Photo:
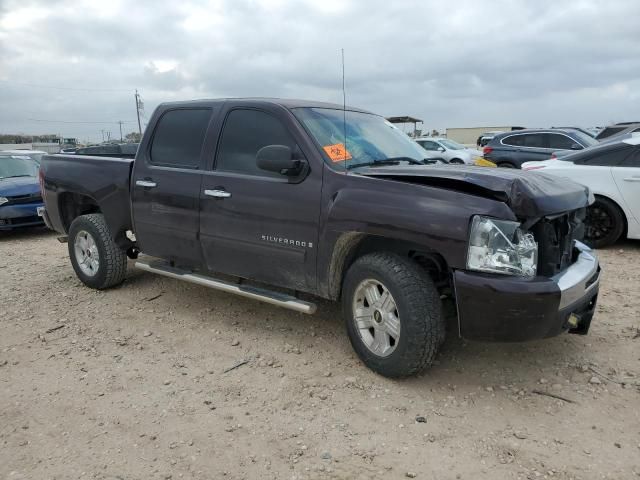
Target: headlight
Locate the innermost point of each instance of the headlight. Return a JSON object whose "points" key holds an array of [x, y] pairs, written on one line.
{"points": [[3, 200], [500, 246]]}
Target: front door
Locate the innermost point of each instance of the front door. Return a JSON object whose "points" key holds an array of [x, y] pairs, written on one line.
{"points": [[257, 224], [166, 187]]}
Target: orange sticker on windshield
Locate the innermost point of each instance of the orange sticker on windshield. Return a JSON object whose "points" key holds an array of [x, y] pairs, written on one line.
{"points": [[337, 152]]}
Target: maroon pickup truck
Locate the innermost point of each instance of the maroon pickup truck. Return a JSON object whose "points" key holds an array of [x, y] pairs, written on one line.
{"points": [[285, 197]]}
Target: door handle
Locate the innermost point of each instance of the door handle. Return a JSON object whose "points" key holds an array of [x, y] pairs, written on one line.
{"points": [[146, 184], [217, 193], [632, 179]]}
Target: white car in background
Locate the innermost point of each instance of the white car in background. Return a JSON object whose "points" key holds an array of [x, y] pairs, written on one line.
{"points": [[33, 154], [612, 173], [451, 151]]}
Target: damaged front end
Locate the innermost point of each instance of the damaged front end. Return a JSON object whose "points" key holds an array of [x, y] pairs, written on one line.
{"points": [[529, 195]]}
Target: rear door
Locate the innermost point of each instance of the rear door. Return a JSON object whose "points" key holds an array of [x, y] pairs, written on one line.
{"points": [[166, 186], [257, 224], [627, 178], [536, 147]]}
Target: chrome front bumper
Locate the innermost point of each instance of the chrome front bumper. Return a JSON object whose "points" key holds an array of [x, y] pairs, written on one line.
{"points": [[579, 279]]}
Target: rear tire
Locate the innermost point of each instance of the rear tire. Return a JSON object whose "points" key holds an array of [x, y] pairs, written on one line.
{"points": [[456, 161], [96, 258], [604, 223], [506, 165], [408, 307]]}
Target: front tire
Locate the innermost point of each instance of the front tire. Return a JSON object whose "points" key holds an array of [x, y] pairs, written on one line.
{"points": [[96, 258], [604, 223], [393, 314]]}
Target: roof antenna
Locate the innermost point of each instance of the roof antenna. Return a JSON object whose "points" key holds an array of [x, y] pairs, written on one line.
{"points": [[344, 115]]}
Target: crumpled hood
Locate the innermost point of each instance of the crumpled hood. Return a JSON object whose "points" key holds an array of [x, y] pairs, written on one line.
{"points": [[528, 194], [11, 187]]}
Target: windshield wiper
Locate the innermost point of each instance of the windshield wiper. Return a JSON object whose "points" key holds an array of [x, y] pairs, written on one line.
{"points": [[16, 176], [393, 160], [388, 161]]}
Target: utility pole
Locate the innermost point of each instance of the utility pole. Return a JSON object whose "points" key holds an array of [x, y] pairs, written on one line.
{"points": [[138, 104], [120, 123], [102, 131]]}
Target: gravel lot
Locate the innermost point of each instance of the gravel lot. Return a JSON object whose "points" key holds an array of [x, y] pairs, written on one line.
{"points": [[130, 383]]}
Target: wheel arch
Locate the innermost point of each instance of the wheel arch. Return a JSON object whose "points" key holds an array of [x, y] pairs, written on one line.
{"points": [[352, 245], [72, 205], [625, 220]]}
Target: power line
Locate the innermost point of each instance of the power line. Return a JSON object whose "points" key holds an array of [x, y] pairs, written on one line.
{"points": [[79, 89], [80, 122]]}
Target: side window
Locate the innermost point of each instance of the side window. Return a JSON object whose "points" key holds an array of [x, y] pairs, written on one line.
{"points": [[633, 160], [429, 145], [245, 132], [177, 140], [514, 140], [609, 158], [560, 142], [536, 140]]}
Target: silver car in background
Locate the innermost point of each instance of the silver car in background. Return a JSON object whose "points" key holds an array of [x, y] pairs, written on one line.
{"points": [[451, 151]]}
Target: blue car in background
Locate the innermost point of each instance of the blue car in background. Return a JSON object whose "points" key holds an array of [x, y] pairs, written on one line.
{"points": [[20, 195]]}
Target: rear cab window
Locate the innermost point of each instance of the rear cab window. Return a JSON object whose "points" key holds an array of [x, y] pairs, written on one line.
{"points": [[178, 138], [129, 149]]}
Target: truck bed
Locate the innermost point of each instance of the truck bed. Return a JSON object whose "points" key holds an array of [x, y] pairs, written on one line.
{"points": [[100, 182]]}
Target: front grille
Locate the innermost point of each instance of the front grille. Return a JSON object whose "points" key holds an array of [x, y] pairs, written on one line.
{"points": [[555, 236], [20, 199]]}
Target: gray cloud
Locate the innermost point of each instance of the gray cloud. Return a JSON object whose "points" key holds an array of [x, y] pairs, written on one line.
{"points": [[456, 63]]}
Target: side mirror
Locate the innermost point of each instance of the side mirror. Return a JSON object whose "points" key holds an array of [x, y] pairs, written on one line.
{"points": [[441, 149], [279, 159], [576, 146]]}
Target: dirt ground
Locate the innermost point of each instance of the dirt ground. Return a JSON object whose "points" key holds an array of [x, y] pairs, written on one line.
{"points": [[130, 383]]}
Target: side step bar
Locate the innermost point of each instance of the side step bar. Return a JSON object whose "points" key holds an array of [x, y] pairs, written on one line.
{"points": [[256, 293]]}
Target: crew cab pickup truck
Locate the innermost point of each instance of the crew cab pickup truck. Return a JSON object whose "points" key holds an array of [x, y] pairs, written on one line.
{"points": [[273, 198]]}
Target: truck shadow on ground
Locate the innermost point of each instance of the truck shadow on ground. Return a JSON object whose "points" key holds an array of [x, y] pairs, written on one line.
{"points": [[27, 233], [322, 337]]}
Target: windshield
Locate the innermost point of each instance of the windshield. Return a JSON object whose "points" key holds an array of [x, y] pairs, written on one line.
{"points": [[586, 140], [451, 145], [370, 138], [14, 166]]}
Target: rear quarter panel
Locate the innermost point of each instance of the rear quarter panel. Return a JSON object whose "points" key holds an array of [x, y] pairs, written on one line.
{"points": [[104, 180]]}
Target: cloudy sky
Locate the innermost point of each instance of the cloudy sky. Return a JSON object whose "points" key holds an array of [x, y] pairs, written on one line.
{"points": [[453, 63]]}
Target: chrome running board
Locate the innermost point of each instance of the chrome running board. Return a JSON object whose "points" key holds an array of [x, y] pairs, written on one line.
{"points": [[256, 293]]}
